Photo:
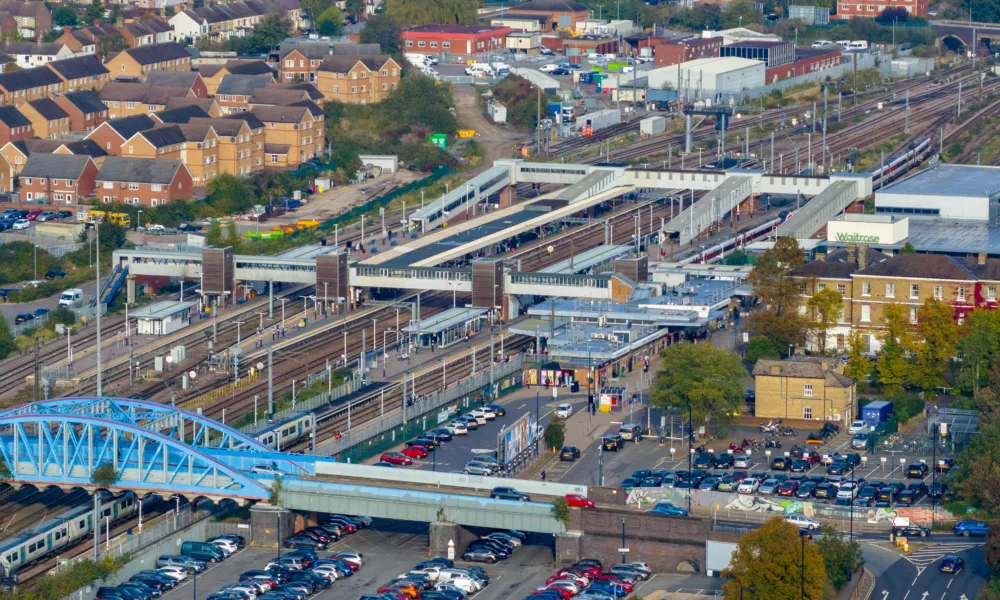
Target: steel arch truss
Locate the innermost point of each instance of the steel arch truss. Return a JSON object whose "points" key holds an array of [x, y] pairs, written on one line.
{"points": [[182, 425], [65, 449]]}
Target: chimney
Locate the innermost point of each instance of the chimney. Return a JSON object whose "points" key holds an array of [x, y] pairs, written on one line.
{"points": [[825, 364], [982, 258], [862, 256], [775, 369]]}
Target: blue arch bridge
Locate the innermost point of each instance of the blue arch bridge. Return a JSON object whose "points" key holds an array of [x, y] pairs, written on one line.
{"points": [[154, 448]]}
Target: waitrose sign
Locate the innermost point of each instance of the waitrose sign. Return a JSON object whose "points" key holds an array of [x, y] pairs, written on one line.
{"points": [[857, 238]]}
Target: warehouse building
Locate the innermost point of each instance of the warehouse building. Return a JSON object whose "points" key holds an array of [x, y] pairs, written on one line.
{"points": [[807, 60], [948, 191], [774, 54], [455, 39], [710, 78]]}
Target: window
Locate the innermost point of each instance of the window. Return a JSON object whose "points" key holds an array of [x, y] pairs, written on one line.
{"points": [[866, 288], [820, 287], [420, 44], [443, 45], [409, 43], [841, 289], [130, 150], [938, 292], [133, 186], [913, 314], [434, 44], [802, 288], [866, 313], [107, 185], [890, 290], [807, 412], [841, 340], [807, 389], [914, 290], [991, 293], [289, 63], [961, 293]]}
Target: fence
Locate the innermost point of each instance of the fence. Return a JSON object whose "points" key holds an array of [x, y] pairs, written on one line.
{"points": [[378, 435], [164, 538], [310, 403], [383, 201]]}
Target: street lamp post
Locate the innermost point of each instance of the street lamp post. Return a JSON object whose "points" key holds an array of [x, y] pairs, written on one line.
{"points": [[802, 568], [623, 541], [690, 450]]}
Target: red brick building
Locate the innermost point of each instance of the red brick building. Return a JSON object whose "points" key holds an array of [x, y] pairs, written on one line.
{"points": [[143, 181], [672, 52], [559, 14], [85, 109], [61, 178], [301, 62], [872, 8], [13, 125], [455, 39], [807, 60]]}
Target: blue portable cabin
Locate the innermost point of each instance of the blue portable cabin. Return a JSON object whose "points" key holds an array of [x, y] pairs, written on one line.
{"points": [[876, 412]]}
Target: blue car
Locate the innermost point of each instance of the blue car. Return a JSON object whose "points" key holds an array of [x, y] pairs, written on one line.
{"points": [[670, 509], [951, 564], [968, 528]]}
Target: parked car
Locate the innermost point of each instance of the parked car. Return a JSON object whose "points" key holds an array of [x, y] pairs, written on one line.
{"points": [[21, 224], [24, 318], [579, 501], [480, 555], [858, 427], [748, 486], [396, 458], [917, 470]]}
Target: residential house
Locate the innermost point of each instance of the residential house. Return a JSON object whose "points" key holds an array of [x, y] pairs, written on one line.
{"points": [[214, 74], [78, 41], [48, 119], [143, 181], [221, 21], [241, 143], [834, 271], [6, 177], [91, 33], [181, 114], [16, 153], [275, 96], [139, 62], [8, 25], [209, 105], [301, 62], [803, 387], [292, 10], [30, 54], [127, 99], [147, 31], [81, 73], [85, 109], [111, 134], [33, 18], [189, 80], [19, 87], [235, 91], [292, 134], [13, 125], [197, 145], [59, 178], [358, 79]]}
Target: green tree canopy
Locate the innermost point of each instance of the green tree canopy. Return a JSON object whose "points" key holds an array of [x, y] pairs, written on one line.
{"points": [[315, 8], [555, 433], [330, 21], [434, 12], [771, 561], [772, 281], [938, 335], [266, 35], [385, 31], [709, 379], [64, 16], [841, 558], [825, 309], [94, 12]]}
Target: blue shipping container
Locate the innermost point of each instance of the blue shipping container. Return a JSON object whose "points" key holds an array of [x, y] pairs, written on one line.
{"points": [[876, 412]]}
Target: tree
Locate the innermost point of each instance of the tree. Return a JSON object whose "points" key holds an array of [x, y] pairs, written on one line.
{"points": [[859, 366], [760, 347], [741, 8], [771, 561], [893, 13], [266, 35], [330, 21], [907, 247], [385, 31], [841, 558], [315, 8], [115, 42], [977, 346], [938, 335], [105, 475], [555, 433], [772, 281], [275, 498], [707, 379], [992, 548], [64, 16], [355, 8], [7, 345], [434, 12], [978, 472], [94, 12], [229, 194], [213, 236], [825, 309], [897, 340]]}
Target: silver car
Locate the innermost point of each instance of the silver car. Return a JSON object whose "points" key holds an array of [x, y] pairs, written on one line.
{"points": [[477, 468], [769, 487]]}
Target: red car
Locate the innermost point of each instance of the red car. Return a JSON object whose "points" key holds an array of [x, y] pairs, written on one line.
{"points": [[583, 580], [415, 451], [788, 488], [588, 570], [396, 458], [31, 216], [579, 501]]}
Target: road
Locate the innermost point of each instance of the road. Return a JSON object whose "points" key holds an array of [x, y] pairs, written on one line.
{"points": [[10, 310], [916, 576]]}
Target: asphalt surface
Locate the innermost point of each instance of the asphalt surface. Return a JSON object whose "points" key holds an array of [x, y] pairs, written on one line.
{"points": [[916, 576], [10, 310]]}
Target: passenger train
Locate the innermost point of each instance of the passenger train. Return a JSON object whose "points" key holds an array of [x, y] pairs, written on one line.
{"points": [[63, 531], [901, 162], [740, 240]]}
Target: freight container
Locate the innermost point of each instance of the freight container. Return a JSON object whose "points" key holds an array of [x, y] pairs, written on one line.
{"points": [[598, 120], [876, 412], [652, 125]]}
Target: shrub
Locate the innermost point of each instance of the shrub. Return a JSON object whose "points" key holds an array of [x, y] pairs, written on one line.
{"points": [[555, 433]]}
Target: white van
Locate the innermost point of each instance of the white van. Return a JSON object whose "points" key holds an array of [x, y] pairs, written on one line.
{"points": [[844, 44], [70, 297], [821, 43], [858, 45], [460, 580], [415, 59], [479, 70]]}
